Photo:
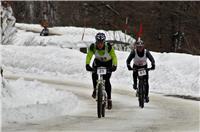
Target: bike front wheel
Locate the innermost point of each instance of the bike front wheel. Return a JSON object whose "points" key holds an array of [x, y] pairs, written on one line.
{"points": [[99, 101], [103, 109], [141, 94]]}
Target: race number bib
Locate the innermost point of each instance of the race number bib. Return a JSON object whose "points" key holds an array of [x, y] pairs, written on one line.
{"points": [[142, 73], [101, 71]]}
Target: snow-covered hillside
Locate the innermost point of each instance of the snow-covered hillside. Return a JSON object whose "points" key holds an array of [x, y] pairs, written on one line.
{"points": [[73, 37]]}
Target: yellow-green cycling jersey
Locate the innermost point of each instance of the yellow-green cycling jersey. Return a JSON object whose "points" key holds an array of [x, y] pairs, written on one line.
{"points": [[105, 54]]}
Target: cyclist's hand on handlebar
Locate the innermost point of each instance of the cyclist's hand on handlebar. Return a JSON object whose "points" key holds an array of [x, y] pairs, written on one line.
{"points": [[89, 68], [129, 67], [152, 66], [134, 69], [113, 68]]}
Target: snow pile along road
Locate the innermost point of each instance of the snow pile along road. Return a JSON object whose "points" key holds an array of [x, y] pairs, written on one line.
{"points": [[172, 75], [31, 100]]}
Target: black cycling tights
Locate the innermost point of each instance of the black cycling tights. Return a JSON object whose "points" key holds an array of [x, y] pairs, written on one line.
{"points": [[107, 83]]}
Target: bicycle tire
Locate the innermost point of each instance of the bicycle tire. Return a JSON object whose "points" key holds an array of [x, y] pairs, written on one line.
{"points": [[141, 94], [103, 109], [99, 101]]}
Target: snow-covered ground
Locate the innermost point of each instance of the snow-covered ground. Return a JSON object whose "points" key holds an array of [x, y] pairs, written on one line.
{"points": [[175, 74], [32, 100]]}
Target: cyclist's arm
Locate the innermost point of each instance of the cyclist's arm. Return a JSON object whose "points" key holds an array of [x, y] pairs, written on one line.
{"points": [[89, 54], [113, 56], [42, 32], [150, 57], [130, 57]]}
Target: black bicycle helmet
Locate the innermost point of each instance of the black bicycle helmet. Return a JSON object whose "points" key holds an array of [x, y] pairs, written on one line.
{"points": [[100, 37], [139, 42]]}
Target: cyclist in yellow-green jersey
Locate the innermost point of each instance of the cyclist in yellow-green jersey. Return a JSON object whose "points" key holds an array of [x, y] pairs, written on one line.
{"points": [[104, 56]]}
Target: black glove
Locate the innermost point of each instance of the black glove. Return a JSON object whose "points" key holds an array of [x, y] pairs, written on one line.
{"points": [[89, 68], [152, 66], [113, 68], [129, 67]]}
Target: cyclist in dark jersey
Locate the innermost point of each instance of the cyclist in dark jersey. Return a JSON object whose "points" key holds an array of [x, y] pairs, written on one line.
{"points": [[139, 56]]}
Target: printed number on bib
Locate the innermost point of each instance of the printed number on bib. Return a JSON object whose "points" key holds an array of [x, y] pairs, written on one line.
{"points": [[101, 71], [142, 73]]}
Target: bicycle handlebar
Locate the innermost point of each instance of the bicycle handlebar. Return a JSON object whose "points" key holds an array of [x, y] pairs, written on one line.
{"points": [[148, 69], [108, 70]]}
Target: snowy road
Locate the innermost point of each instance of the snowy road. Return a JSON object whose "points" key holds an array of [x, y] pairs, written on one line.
{"points": [[161, 114]]}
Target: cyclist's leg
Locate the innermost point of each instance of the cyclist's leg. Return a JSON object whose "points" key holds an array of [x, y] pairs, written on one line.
{"points": [[135, 74], [94, 80], [95, 64], [108, 87], [147, 88], [106, 77], [147, 84]]}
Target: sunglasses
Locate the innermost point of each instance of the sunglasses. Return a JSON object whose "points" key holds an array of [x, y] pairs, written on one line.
{"points": [[140, 46], [100, 42]]}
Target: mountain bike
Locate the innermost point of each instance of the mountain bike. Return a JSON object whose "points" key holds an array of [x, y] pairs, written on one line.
{"points": [[101, 92], [141, 91]]}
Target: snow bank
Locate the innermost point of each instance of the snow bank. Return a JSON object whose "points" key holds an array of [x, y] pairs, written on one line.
{"points": [[50, 61], [175, 73], [31, 100]]}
